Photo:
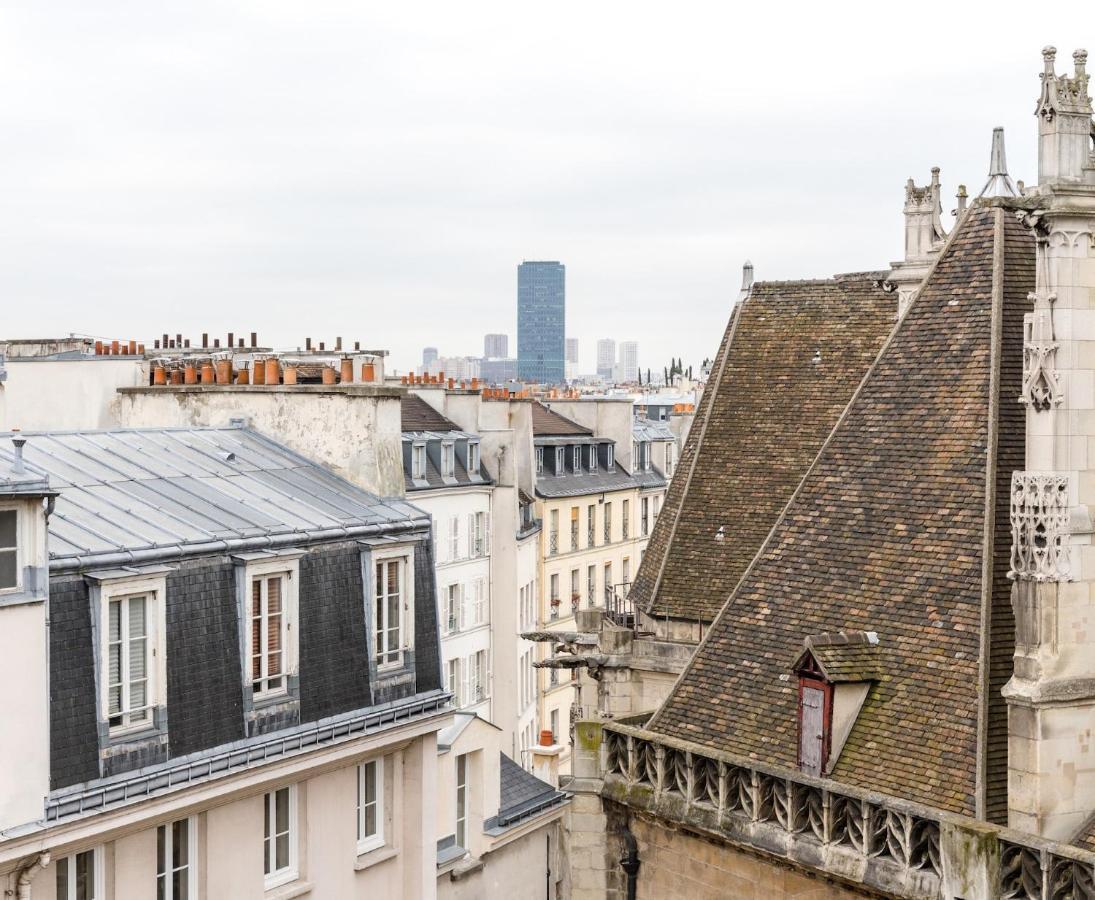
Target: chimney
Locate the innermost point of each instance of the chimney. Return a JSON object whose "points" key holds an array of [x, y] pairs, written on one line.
{"points": [[1064, 122], [962, 197], [254, 339], [545, 758], [999, 183], [17, 467]]}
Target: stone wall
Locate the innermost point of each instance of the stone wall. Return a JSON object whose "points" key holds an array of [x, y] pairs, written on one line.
{"points": [[676, 863]]}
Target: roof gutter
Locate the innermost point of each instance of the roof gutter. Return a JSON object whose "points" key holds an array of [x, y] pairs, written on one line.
{"points": [[146, 555]]}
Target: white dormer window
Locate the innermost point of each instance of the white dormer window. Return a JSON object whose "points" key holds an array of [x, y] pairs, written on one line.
{"points": [[646, 456], [670, 459], [593, 458], [611, 456], [448, 457], [473, 458], [418, 462], [9, 549], [560, 460], [576, 461], [636, 458], [393, 606], [539, 460]]}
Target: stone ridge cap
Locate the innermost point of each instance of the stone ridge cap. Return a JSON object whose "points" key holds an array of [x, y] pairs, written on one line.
{"points": [[873, 275], [842, 638]]}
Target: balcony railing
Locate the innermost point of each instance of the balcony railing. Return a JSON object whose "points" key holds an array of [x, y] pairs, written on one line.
{"points": [[591, 537], [890, 845], [574, 536], [575, 601], [553, 543], [618, 606]]}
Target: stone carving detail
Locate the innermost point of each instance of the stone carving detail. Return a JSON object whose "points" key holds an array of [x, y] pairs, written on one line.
{"points": [[1020, 872], [1041, 386], [1039, 526], [1070, 880]]}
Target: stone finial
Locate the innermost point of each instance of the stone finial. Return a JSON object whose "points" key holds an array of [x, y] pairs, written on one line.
{"points": [[746, 281], [1079, 62], [1049, 54], [999, 183], [962, 197]]}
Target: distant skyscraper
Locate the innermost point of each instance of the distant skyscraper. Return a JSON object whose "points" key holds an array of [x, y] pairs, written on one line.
{"points": [[606, 358], [498, 371], [429, 356], [572, 350], [496, 346], [629, 361], [541, 322]]}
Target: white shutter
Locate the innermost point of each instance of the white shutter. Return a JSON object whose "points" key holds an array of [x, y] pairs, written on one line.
{"points": [[471, 535], [486, 532], [462, 604]]}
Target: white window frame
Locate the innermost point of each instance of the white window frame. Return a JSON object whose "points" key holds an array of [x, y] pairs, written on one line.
{"points": [[20, 542], [452, 608], [637, 461], [482, 669], [473, 457], [560, 460], [369, 842], [288, 564], [461, 798], [448, 459], [454, 538], [576, 459], [290, 872], [154, 590], [479, 607], [670, 458], [264, 573], [452, 680], [539, 460], [191, 865], [593, 458], [405, 555], [418, 462], [98, 876], [611, 456]]}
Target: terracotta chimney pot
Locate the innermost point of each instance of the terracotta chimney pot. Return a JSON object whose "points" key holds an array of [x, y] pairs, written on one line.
{"points": [[254, 339], [346, 369], [243, 376], [546, 737], [159, 375], [328, 375], [368, 373], [176, 376], [98, 348], [273, 374], [289, 375], [452, 383], [140, 349], [114, 348], [190, 374], [224, 371], [402, 378], [208, 375], [259, 376]]}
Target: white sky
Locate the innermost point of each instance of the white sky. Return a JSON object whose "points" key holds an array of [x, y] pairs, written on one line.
{"points": [[378, 170]]}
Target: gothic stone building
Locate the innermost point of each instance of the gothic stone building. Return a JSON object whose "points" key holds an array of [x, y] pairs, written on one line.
{"points": [[895, 694]]}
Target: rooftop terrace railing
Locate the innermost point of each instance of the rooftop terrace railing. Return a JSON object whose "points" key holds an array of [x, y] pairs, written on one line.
{"points": [[898, 847]]}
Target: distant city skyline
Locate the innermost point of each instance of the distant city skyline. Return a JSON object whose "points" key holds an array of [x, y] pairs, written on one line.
{"points": [[495, 346]]}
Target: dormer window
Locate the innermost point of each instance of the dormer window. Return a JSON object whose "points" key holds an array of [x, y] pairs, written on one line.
{"points": [[576, 460], [418, 462], [539, 460], [448, 459], [636, 458], [646, 456], [670, 458], [835, 674], [9, 549], [593, 458], [611, 456], [473, 458], [560, 460]]}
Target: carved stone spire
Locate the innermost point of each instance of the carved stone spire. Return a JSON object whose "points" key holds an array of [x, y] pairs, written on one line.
{"points": [[999, 183], [1064, 122], [924, 238]]}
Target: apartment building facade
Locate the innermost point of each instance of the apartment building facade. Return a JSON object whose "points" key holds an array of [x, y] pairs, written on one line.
{"points": [[237, 690]]}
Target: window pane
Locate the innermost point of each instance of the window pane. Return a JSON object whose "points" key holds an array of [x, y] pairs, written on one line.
{"points": [[62, 878], [8, 519], [370, 782], [273, 595], [161, 851], [282, 860], [7, 569], [136, 617], [181, 885], [281, 823], [85, 875], [180, 846]]}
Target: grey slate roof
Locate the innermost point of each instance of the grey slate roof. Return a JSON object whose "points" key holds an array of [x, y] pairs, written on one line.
{"points": [[601, 481], [522, 794], [649, 430], [159, 491]]}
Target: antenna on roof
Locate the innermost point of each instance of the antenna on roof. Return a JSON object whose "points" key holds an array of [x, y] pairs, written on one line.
{"points": [[999, 183]]}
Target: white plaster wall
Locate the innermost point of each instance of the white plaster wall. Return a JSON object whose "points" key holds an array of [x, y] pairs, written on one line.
{"points": [[24, 694], [57, 395], [519, 869], [354, 430], [134, 867]]}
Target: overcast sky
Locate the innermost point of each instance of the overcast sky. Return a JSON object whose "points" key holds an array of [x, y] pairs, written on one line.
{"points": [[378, 170]]}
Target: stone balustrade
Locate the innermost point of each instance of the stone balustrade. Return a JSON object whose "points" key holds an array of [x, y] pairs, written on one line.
{"points": [[854, 836]]}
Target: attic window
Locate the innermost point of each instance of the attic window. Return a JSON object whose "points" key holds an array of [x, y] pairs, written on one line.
{"points": [[835, 675], [593, 458], [447, 460], [473, 458], [539, 460], [576, 460], [560, 460], [418, 462], [611, 457]]}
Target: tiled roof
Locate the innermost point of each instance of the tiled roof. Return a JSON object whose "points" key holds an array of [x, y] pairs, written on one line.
{"points": [[888, 532], [161, 489], [1085, 838], [545, 423], [790, 359], [847, 656], [417, 415]]}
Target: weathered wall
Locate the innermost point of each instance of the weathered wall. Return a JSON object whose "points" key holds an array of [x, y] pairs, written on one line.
{"points": [[66, 394], [523, 868], [355, 430], [677, 864]]}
